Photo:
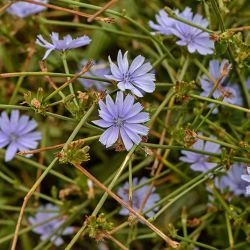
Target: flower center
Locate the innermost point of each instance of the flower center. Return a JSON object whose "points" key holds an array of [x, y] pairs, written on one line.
{"points": [[48, 228], [126, 77], [13, 137], [118, 122]]}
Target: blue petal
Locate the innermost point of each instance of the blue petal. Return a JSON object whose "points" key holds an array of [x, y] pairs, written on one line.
{"points": [[126, 140], [10, 152]]}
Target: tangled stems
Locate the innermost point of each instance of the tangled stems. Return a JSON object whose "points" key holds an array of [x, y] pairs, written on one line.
{"points": [[104, 197], [44, 174], [171, 243]]}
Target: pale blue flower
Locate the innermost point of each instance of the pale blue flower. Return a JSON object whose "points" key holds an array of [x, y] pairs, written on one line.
{"points": [[138, 197], [45, 230], [61, 44], [200, 162], [17, 133], [194, 38], [134, 77], [23, 9], [246, 177], [99, 69], [232, 180], [122, 119]]}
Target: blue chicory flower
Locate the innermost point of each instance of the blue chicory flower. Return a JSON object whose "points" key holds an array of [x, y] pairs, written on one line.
{"points": [[16, 132], [122, 119], [23, 9], [61, 44], [45, 230], [194, 38], [138, 197], [232, 180], [246, 177], [200, 162], [99, 69], [134, 77]]}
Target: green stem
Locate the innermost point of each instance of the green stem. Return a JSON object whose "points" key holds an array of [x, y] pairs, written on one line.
{"points": [[6, 106], [229, 230], [94, 27], [162, 105], [174, 16], [66, 68], [17, 74], [217, 13], [194, 242], [218, 142], [220, 102], [18, 86]]}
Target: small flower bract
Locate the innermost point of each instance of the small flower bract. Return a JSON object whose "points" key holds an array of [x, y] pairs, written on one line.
{"points": [[122, 119], [139, 197], [16, 132], [200, 162], [23, 9], [46, 213], [135, 78], [192, 37], [61, 45]]}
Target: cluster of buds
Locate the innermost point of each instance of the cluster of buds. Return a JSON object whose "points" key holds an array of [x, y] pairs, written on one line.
{"points": [[182, 90], [98, 226], [85, 100], [36, 102], [75, 153]]}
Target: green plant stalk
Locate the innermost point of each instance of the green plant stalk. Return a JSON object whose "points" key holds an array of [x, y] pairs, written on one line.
{"points": [[94, 27], [66, 68], [206, 220], [218, 128], [163, 209], [174, 168], [183, 188], [24, 189], [194, 242], [54, 74], [220, 102], [7, 106], [229, 231], [162, 105], [205, 138], [136, 168], [18, 86], [221, 200], [204, 118], [217, 12], [130, 194], [165, 63], [176, 17]]}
